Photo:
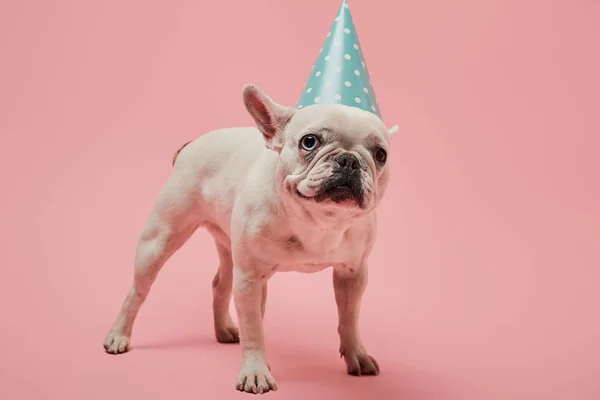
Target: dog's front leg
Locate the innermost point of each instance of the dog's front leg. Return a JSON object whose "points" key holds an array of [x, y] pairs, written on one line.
{"points": [[349, 285], [249, 294]]}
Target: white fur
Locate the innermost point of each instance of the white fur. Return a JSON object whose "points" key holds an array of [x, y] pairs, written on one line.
{"points": [[246, 195]]}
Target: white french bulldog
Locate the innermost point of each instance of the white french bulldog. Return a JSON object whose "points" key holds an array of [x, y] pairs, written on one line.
{"points": [[304, 202]]}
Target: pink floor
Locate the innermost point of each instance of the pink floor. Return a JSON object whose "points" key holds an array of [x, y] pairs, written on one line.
{"points": [[484, 281]]}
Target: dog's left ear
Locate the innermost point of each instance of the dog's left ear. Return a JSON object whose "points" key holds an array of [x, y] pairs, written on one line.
{"points": [[393, 130], [270, 117]]}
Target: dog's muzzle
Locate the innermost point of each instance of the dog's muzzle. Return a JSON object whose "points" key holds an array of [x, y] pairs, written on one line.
{"points": [[345, 183]]}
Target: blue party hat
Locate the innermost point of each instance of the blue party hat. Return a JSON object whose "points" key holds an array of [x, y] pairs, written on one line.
{"points": [[340, 76]]}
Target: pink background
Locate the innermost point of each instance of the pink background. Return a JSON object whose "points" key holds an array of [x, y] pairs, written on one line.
{"points": [[484, 281]]}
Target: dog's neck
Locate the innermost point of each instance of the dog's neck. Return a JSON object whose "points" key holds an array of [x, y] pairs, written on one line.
{"points": [[321, 228]]}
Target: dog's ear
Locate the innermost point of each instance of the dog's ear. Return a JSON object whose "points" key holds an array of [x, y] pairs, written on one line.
{"points": [[270, 117], [393, 130]]}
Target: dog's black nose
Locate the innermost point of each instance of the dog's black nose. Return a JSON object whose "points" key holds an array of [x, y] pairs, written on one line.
{"points": [[348, 160]]}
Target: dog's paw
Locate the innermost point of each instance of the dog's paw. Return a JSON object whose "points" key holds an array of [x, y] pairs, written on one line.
{"points": [[229, 334], [255, 378], [360, 363], [116, 343]]}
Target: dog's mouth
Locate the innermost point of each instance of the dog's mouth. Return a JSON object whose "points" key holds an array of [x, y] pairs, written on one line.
{"points": [[338, 190], [338, 194]]}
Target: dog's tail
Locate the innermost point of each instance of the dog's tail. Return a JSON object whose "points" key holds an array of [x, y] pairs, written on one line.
{"points": [[179, 151]]}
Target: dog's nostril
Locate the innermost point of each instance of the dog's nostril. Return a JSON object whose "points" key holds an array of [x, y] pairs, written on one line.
{"points": [[348, 160]]}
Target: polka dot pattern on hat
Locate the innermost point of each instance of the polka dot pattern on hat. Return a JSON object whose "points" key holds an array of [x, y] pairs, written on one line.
{"points": [[340, 74]]}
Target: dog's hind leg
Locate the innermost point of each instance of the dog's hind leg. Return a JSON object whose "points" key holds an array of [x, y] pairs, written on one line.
{"points": [[171, 222], [225, 329]]}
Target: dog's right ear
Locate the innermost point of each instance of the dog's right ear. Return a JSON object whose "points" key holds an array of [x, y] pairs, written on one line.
{"points": [[270, 117]]}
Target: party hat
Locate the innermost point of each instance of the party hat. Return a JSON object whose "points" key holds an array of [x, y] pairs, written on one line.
{"points": [[340, 76]]}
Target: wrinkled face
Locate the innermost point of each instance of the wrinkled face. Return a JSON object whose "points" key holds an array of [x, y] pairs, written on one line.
{"points": [[331, 156], [335, 156]]}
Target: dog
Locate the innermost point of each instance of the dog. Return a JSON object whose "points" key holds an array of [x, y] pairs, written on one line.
{"points": [[299, 192]]}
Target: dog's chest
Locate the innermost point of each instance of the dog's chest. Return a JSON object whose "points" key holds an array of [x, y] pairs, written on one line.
{"points": [[303, 268], [316, 252]]}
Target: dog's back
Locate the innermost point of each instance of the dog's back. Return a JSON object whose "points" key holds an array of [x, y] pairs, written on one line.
{"points": [[217, 145], [214, 166]]}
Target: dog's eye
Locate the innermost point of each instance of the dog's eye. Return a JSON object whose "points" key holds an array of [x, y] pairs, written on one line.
{"points": [[309, 142], [381, 155]]}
